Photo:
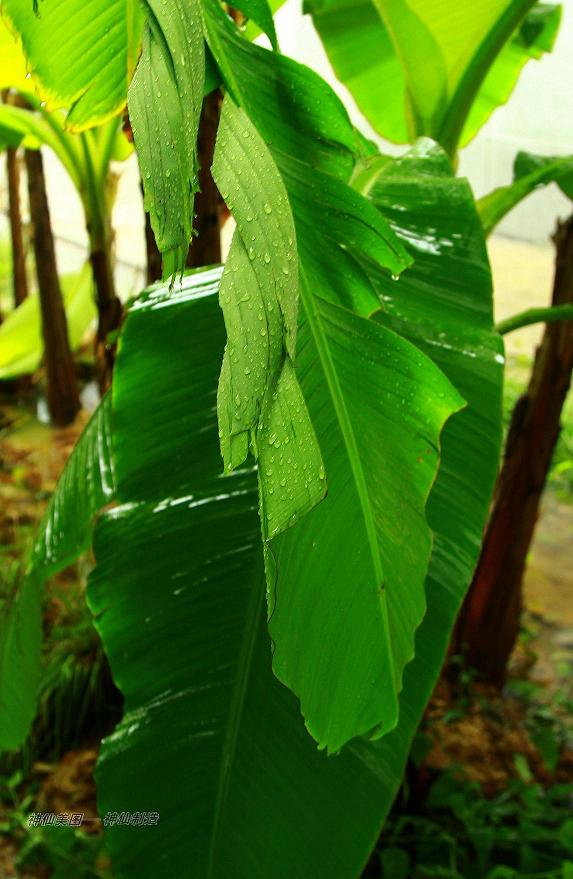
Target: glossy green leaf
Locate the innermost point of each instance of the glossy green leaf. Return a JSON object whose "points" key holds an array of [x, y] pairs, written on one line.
{"points": [[210, 740], [12, 62], [358, 563], [9, 136], [81, 53], [85, 157], [165, 100], [259, 403], [432, 68], [84, 487], [444, 305], [88, 477], [362, 55], [533, 38], [261, 14], [21, 345], [20, 643], [336, 229], [530, 172], [19, 127], [456, 46]]}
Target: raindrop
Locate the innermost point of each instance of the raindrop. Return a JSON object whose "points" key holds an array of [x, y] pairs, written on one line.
{"points": [[267, 208]]}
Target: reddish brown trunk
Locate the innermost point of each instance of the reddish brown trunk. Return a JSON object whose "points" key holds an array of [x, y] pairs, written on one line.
{"points": [[63, 399], [206, 246], [19, 276], [489, 623]]}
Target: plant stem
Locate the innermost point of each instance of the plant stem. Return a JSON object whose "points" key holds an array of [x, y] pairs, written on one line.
{"points": [[489, 622], [63, 398], [19, 275], [547, 315], [98, 223]]}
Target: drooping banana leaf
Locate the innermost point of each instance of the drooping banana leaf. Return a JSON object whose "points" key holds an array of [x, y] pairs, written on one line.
{"points": [[259, 401], [164, 107], [210, 740], [435, 68], [85, 485], [530, 172], [317, 617], [444, 305], [81, 55], [178, 580]]}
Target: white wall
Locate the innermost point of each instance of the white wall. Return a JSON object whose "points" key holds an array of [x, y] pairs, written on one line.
{"points": [[538, 118]]}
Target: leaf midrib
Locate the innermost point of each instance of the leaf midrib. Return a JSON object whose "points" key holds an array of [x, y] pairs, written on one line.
{"points": [[349, 439]]}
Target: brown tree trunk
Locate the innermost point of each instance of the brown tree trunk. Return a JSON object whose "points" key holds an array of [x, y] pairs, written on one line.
{"points": [[490, 619], [63, 398], [19, 276], [206, 246]]}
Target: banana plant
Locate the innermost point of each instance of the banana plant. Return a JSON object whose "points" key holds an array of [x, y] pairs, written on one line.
{"points": [[450, 69], [87, 158], [345, 368], [432, 68]]}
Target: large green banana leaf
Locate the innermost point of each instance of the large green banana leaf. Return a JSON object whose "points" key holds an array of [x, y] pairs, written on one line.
{"points": [[444, 305], [530, 172], [313, 145], [210, 740], [434, 68], [81, 55], [178, 597], [315, 619]]}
